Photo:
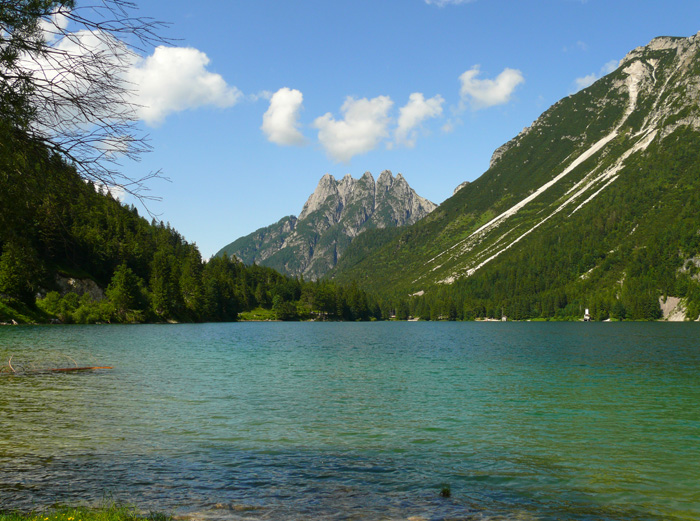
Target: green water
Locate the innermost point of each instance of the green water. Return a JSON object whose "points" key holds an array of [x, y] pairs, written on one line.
{"points": [[358, 421]]}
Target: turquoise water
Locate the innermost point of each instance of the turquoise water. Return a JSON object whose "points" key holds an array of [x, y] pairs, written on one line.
{"points": [[531, 421]]}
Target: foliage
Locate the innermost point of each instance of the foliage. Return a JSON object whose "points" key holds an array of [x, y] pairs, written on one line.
{"points": [[635, 240], [20, 271], [56, 225], [63, 81], [445, 490]]}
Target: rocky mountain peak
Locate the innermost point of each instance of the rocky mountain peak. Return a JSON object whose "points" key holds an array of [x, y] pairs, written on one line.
{"points": [[385, 180], [327, 187], [340, 209]]}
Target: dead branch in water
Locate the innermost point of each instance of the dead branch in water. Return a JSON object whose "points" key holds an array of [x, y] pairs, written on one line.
{"points": [[30, 368], [75, 369]]}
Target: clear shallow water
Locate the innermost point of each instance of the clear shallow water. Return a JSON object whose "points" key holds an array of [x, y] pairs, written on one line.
{"points": [[531, 421]]}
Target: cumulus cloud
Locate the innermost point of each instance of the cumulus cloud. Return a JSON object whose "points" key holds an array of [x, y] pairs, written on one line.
{"points": [[53, 26], [585, 81], [171, 79], [487, 93], [450, 125], [281, 121], [174, 79], [411, 115], [590, 79], [443, 3], [363, 126]]}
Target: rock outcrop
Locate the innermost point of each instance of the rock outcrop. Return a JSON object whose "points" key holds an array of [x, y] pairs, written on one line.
{"points": [[331, 218]]}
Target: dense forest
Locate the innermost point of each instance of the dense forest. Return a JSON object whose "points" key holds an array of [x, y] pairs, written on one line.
{"points": [[69, 251], [54, 227]]}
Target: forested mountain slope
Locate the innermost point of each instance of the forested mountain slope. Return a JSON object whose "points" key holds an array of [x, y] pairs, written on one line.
{"points": [[71, 253], [596, 205]]}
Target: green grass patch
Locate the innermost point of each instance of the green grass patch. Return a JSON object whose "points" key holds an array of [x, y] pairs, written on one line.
{"points": [[256, 314], [112, 512]]}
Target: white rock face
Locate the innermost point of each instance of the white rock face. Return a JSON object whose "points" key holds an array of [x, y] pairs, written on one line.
{"points": [[673, 309], [79, 286], [360, 199], [462, 185]]}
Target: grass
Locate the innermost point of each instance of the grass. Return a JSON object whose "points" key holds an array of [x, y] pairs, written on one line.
{"points": [[256, 314], [109, 512]]}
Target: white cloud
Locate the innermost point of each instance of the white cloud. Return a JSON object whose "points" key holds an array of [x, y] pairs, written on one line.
{"points": [[590, 79], [585, 81], [64, 76], [263, 94], [281, 121], [450, 125], [487, 93], [53, 26], [443, 3], [174, 79], [578, 46], [363, 126], [610, 66], [411, 115]]}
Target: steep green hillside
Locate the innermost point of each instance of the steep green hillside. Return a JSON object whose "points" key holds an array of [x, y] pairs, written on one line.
{"points": [[593, 206]]}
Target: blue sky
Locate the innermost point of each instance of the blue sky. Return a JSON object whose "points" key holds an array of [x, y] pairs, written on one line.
{"points": [[257, 99]]}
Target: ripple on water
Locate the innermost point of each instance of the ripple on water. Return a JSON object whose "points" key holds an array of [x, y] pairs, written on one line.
{"points": [[360, 421]]}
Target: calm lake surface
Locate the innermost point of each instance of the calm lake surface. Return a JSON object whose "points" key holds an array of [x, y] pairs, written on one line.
{"points": [[527, 421]]}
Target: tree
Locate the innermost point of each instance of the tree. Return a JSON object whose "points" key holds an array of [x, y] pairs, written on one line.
{"points": [[20, 271], [124, 292], [165, 291], [63, 81], [284, 310], [191, 282]]}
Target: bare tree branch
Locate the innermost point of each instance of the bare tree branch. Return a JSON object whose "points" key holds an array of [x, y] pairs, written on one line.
{"points": [[64, 80]]}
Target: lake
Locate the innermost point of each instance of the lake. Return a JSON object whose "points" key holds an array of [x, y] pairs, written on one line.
{"points": [[527, 421]]}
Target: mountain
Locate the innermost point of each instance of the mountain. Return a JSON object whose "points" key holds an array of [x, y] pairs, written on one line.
{"points": [[71, 253], [595, 205], [336, 213]]}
